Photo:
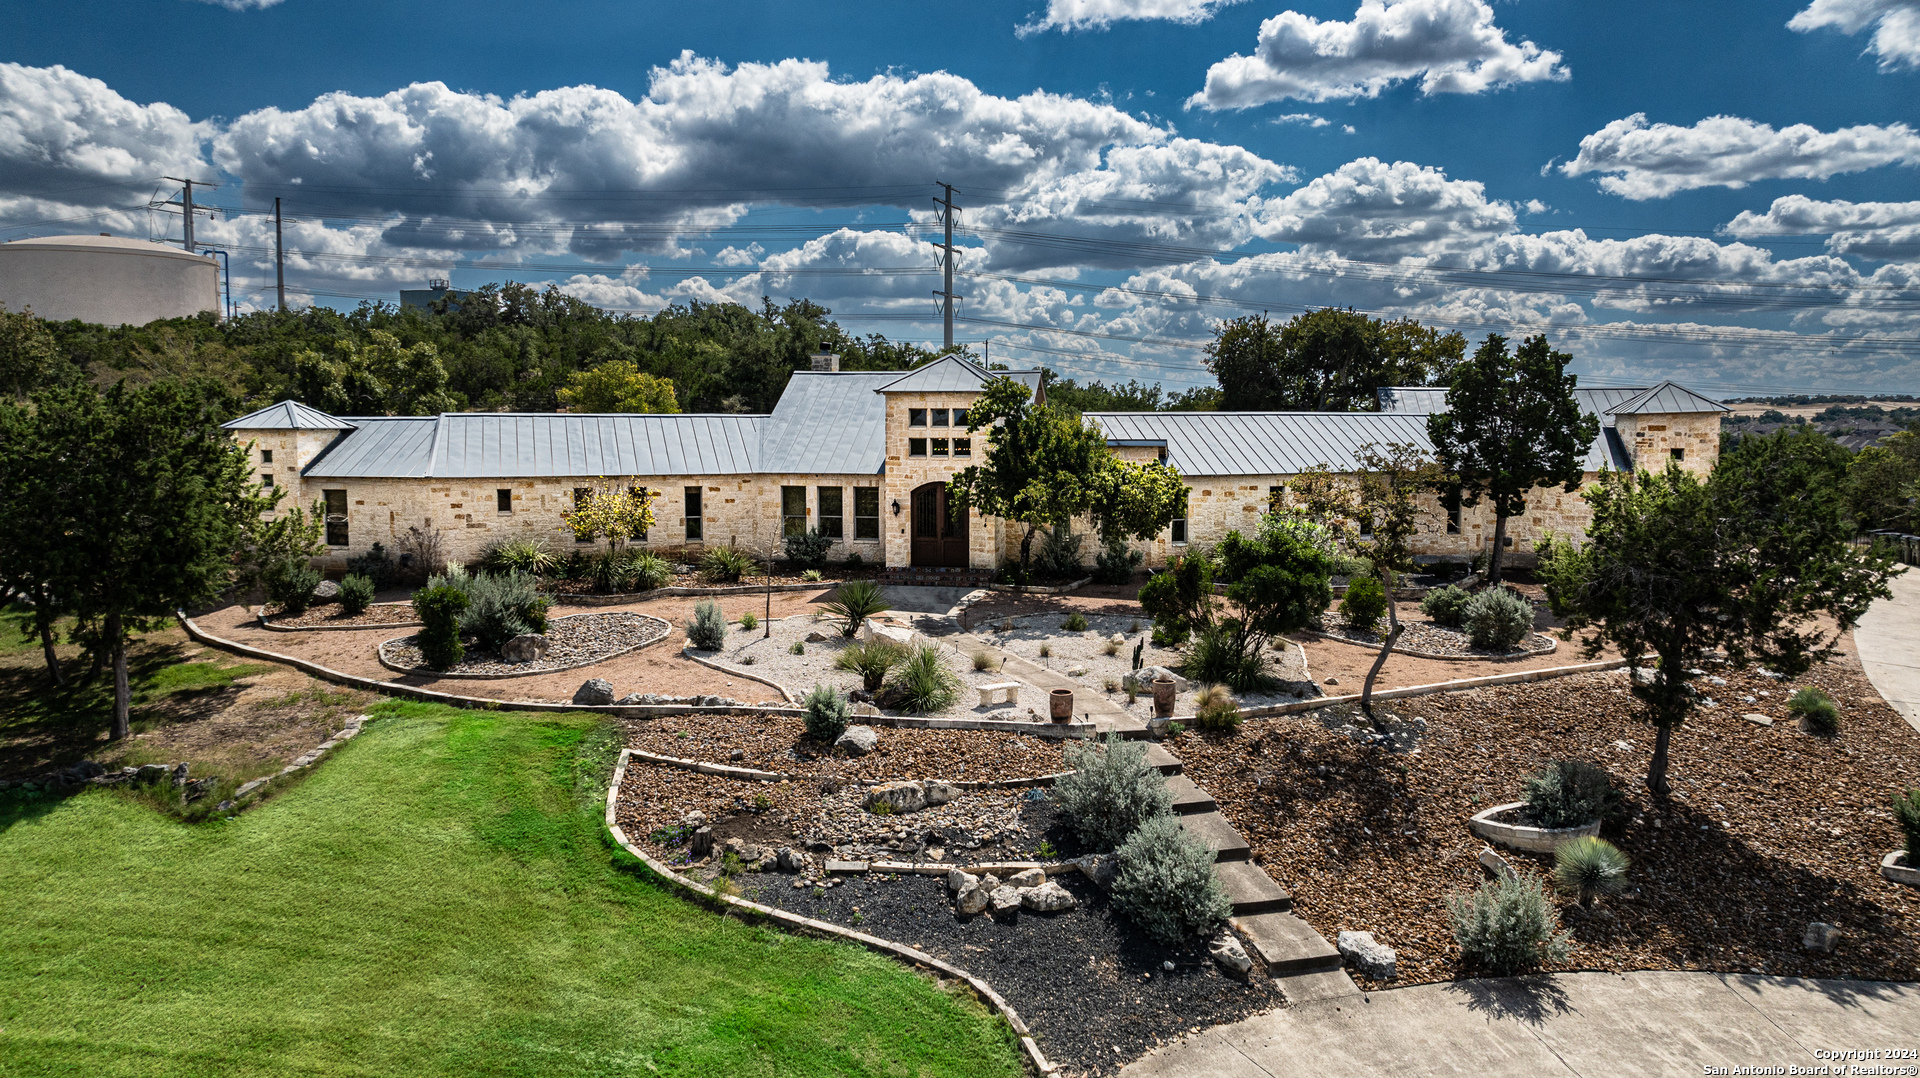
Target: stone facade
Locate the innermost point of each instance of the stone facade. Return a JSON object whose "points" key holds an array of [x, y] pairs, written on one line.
{"points": [[1692, 439], [906, 472]]}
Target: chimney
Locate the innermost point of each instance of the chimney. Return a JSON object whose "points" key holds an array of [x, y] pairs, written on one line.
{"points": [[826, 361]]}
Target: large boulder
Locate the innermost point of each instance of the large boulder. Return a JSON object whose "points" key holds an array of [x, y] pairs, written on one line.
{"points": [[1368, 955], [973, 897], [1142, 679], [858, 740], [327, 592], [594, 692], [959, 879], [1004, 900], [898, 797], [791, 860], [1047, 898], [527, 648]]}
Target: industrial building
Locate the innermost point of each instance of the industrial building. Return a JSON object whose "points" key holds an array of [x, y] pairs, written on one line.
{"points": [[110, 280]]}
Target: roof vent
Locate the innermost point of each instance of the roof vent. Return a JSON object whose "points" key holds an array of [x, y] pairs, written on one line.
{"points": [[107, 234], [826, 361]]}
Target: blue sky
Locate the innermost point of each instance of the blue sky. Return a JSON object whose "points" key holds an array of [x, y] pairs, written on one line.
{"points": [[1724, 193]]}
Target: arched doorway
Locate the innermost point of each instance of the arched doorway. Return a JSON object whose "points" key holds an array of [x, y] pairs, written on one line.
{"points": [[939, 528]]}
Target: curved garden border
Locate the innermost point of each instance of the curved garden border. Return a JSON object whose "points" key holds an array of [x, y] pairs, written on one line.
{"points": [[271, 627], [1552, 646], [425, 671], [579, 599], [808, 925], [731, 771]]}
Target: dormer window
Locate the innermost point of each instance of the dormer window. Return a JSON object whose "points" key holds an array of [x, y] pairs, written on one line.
{"points": [[916, 417]]}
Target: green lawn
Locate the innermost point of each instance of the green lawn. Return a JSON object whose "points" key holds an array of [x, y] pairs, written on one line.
{"points": [[437, 899]]}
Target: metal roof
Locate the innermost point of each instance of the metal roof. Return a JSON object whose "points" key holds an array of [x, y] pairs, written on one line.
{"points": [[829, 423], [1263, 443], [1430, 400], [954, 374], [287, 415], [1668, 399], [381, 447], [473, 445]]}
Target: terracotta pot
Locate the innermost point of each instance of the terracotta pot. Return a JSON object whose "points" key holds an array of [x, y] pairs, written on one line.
{"points": [[1163, 698], [1061, 700]]}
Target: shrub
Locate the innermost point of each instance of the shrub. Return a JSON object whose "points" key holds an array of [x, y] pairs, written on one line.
{"points": [[809, 550], [924, 683], [982, 659], [726, 565], [811, 576], [1058, 555], [1215, 709], [1212, 657], [708, 629], [1109, 790], [1046, 651], [1365, 604], [1446, 606], [1115, 563], [1076, 623], [499, 607], [376, 565], [1167, 883], [290, 585], [1587, 867], [871, 661], [531, 556], [1816, 709], [1110, 648], [855, 561], [1906, 812], [1498, 619], [356, 594], [1571, 793], [1507, 926], [856, 601], [798, 647], [748, 622], [439, 608], [621, 571], [1349, 566], [826, 714]]}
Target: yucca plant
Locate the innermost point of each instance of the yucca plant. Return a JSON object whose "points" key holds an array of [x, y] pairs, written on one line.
{"points": [[924, 681], [519, 556], [726, 565], [872, 661], [856, 601], [1590, 866]]}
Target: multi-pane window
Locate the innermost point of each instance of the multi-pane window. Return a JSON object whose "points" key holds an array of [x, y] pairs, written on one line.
{"points": [[916, 447], [793, 510], [695, 525], [1179, 526], [939, 417], [580, 496], [336, 516], [866, 512], [963, 447], [916, 417], [503, 500], [832, 519], [939, 447], [959, 417]]}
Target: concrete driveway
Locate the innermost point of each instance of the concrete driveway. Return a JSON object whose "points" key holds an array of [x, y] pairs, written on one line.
{"points": [[1587, 1024], [1888, 642]]}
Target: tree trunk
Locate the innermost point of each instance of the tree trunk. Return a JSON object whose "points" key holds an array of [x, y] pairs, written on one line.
{"points": [[1026, 551], [53, 661], [1499, 547], [122, 698], [1657, 770], [1386, 648]]}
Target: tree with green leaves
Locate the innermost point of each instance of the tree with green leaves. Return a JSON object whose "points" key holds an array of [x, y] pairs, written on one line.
{"points": [[1328, 360], [1512, 424], [381, 376], [1883, 481], [1134, 501], [1748, 564], [29, 356], [617, 386], [611, 512]]}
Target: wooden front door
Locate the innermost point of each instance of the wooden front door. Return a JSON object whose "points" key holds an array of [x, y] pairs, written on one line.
{"points": [[939, 528]]}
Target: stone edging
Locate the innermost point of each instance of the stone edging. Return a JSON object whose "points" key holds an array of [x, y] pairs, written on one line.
{"points": [[728, 771], [1521, 836], [1551, 647], [304, 760], [737, 671], [1456, 685], [1029, 589], [380, 653], [572, 599], [261, 613], [1894, 867], [808, 925]]}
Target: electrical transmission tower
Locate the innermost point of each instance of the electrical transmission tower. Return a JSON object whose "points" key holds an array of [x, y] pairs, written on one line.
{"points": [[188, 209], [946, 296]]}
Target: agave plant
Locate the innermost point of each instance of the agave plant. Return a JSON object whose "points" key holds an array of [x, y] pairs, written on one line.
{"points": [[856, 601], [529, 556]]}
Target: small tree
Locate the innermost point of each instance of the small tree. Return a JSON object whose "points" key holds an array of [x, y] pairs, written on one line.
{"points": [[617, 386], [1512, 424], [613, 513], [1745, 564], [1133, 500]]}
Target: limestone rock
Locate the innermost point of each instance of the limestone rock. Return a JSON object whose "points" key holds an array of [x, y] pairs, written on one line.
{"points": [[594, 692], [1143, 679], [1032, 877], [179, 775], [528, 648], [1757, 719], [151, 773], [1047, 898], [790, 860], [939, 793], [1076, 671], [899, 797], [817, 637], [1368, 955], [959, 879], [695, 819], [1226, 951], [327, 592], [972, 898], [1821, 937], [1117, 639], [1495, 863], [1101, 868], [858, 740], [1004, 899], [737, 755]]}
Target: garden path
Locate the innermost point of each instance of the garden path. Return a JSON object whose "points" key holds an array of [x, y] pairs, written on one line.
{"points": [[1888, 642]]}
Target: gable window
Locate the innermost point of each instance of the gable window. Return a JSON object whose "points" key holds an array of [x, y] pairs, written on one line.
{"points": [[939, 447], [1679, 454], [266, 456], [793, 510], [336, 516], [832, 518], [916, 417], [959, 417], [695, 526], [939, 417], [580, 497], [503, 500], [963, 447], [866, 512], [1179, 526], [916, 447]]}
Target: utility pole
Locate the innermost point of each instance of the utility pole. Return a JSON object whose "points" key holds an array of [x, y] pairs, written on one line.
{"points": [[279, 257], [185, 202], [946, 262]]}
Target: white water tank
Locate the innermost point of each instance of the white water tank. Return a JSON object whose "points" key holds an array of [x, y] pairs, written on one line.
{"points": [[106, 279]]}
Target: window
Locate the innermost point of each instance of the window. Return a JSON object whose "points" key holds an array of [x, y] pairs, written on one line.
{"points": [[866, 512], [916, 417], [1179, 526], [939, 447], [1679, 454], [1276, 498], [963, 447], [336, 516], [503, 500], [939, 417], [916, 447], [638, 492], [580, 496], [266, 479], [1452, 501], [266, 456], [793, 510], [695, 530], [832, 522], [959, 417]]}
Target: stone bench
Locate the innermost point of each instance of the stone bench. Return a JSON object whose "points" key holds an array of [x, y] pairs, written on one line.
{"points": [[1011, 688]]}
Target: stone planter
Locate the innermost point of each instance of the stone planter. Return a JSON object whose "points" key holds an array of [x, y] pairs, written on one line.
{"points": [[1061, 701], [1163, 698], [1894, 867], [1501, 824]]}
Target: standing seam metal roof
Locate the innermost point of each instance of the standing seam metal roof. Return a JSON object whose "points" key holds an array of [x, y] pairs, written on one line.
{"points": [[287, 415], [953, 374], [1669, 399], [1263, 443], [829, 423]]}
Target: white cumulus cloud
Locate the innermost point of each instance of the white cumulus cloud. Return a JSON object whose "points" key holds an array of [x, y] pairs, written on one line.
{"points": [[1069, 15], [1641, 161], [1870, 229], [1896, 26], [1368, 209], [1450, 46]]}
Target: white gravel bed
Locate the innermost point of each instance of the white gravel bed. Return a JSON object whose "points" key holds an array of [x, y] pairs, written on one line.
{"points": [[1434, 639], [1086, 651]]}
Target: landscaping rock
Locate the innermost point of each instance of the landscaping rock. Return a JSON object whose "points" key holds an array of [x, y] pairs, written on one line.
{"points": [[1226, 951], [150, 773], [1032, 877], [1368, 955], [179, 775], [790, 860], [899, 797], [817, 637], [939, 793], [1757, 720], [327, 592], [858, 740], [248, 787], [1117, 639], [694, 819], [1004, 900], [529, 648], [224, 806], [1495, 864], [972, 898], [959, 879], [1821, 937], [594, 692], [1101, 868], [1047, 898], [1143, 679], [737, 755]]}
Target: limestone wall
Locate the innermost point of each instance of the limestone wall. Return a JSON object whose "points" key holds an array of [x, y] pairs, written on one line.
{"points": [[986, 537], [1652, 440]]}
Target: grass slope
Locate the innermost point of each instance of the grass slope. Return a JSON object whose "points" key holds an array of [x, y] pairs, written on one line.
{"points": [[438, 899]]}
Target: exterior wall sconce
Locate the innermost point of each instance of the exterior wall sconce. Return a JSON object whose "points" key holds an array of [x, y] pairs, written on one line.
{"points": [[896, 507]]}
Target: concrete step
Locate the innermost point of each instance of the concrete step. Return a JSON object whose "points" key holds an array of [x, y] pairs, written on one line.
{"points": [[1287, 944], [1302, 988], [1251, 889], [1213, 829], [1188, 798], [1167, 762]]}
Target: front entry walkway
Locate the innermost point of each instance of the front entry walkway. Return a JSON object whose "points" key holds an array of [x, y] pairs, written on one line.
{"points": [[1888, 640], [1586, 1024]]}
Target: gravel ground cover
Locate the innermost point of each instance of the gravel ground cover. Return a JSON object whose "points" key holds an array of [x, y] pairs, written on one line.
{"points": [[572, 640], [1767, 830], [332, 614], [687, 576], [1431, 638], [779, 743]]}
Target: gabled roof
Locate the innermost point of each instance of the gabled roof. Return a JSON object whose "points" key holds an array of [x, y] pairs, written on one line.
{"points": [[953, 373], [1668, 399], [1261, 443], [1431, 400], [829, 423], [287, 415]]}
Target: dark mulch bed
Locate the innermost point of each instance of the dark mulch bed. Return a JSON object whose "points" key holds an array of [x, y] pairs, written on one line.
{"points": [[324, 614]]}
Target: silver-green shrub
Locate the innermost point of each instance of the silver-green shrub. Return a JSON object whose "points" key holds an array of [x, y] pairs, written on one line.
{"points": [[1447, 606], [826, 714], [1507, 926], [708, 629], [1109, 790], [356, 594], [1167, 884], [1498, 619], [500, 606]]}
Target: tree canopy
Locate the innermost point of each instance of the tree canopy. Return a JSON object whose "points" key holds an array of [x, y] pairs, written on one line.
{"points": [[618, 386], [1328, 360]]}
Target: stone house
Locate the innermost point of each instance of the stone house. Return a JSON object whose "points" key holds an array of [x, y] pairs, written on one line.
{"points": [[864, 456]]}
